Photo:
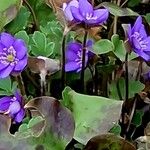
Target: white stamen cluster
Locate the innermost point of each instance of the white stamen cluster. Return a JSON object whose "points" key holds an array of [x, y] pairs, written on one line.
{"points": [[143, 43], [6, 53], [90, 16]]}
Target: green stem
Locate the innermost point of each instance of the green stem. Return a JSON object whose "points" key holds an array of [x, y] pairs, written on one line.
{"points": [[63, 61], [83, 59], [33, 14]]}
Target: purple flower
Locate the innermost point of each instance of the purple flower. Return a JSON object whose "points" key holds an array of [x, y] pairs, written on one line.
{"points": [[12, 105], [74, 56], [139, 39], [83, 11], [13, 55], [67, 9]]}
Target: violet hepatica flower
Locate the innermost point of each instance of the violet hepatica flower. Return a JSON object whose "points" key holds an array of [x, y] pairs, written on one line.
{"points": [[83, 11], [139, 39], [74, 56], [12, 105], [13, 55]]}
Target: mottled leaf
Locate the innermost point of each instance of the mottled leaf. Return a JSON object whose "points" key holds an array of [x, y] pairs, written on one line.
{"points": [[8, 11], [60, 122], [93, 115]]}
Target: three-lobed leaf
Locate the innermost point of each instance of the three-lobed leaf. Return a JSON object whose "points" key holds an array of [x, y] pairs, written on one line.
{"points": [[40, 45]]}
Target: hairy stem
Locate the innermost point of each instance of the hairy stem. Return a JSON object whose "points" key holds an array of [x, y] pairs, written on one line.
{"points": [[63, 61], [33, 14], [116, 20], [83, 59], [21, 85], [126, 78]]}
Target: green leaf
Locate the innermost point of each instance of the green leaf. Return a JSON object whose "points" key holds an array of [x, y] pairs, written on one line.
{"points": [[133, 3], [35, 121], [7, 87], [103, 46], [119, 48], [92, 114], [5, 84], [32, 128], [40, 46], [20, 22], [54, 33], [137, 118], [116, 129], [147, 17], [43, 12], [6, 4], [8, 11], [118, 11], [134, 87], [22, 35], [39, 40]]}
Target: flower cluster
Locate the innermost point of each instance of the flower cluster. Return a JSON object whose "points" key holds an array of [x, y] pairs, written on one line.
{"points": [[12, 105], [139, 39], [74, 56], [13, 55], [83, 11]]}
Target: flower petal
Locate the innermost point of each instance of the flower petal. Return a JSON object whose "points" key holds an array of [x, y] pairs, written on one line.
{"points": [[142, 31], [18, 96], [71, 66], [85, 8], [20, 115], [147, 40], [3, 66], [99, 16], [89, 43], [1, 47], [20, 65], [6, 39], [136, 43], [71, 55], [67, 9], [20, 47], [74, 46], [143, 55], [76, 14], [5, 103], [137, 24], [14, 107], [6, 71]]}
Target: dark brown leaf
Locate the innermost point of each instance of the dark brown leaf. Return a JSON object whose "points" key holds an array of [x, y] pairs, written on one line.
{"points": [[108, 142], [59, 119]]}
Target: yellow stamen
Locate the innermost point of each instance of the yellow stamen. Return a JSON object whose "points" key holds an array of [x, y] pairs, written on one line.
{"points": [[10, 58]]}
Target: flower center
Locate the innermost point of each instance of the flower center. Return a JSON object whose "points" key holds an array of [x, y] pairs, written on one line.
{"points": [[142, 43], [8, 56]]}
